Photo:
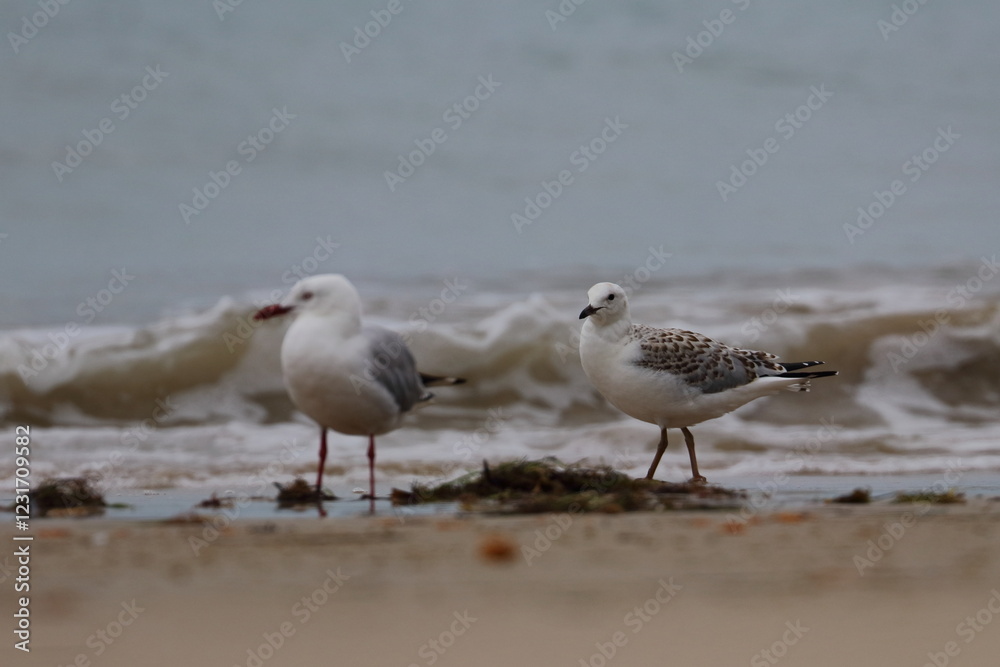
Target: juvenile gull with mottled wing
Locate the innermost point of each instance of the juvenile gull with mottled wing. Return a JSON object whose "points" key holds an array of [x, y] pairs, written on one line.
{"points": [[671, 377]]}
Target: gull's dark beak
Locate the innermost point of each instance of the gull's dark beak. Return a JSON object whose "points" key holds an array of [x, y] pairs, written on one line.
{"points": [[588, 311], [267, 312]]}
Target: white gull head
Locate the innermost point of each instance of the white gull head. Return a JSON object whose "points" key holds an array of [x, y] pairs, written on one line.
{"points": [[607, 304], [329, 296], [324, 295]]}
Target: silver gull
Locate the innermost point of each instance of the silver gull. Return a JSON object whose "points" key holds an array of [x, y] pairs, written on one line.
{"points": [[671, 377], [352, 378]]}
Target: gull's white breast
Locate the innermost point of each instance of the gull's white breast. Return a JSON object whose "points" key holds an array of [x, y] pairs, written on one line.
{"points": [[657, 396], [329, 380]]}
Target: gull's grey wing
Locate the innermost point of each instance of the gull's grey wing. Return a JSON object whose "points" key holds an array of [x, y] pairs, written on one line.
{"points": [[393, 367], [701, 362]]}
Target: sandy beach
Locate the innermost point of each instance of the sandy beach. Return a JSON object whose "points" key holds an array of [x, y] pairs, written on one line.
{"points": [[880, 584]]}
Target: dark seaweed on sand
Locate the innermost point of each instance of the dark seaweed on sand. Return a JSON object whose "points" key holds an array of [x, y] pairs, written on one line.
{"points": [[215, 502], [547, 485], [855, 497], [300, 492], [74, 496], [949, 497]]}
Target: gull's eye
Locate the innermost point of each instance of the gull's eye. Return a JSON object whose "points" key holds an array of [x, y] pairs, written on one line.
{"points": [[306, 296], [611, 297]]}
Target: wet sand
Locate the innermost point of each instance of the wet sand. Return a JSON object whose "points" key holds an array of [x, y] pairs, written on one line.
{"points": [[828, 585]]}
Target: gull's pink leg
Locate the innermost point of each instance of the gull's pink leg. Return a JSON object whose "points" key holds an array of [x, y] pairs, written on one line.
{"points": [[371, 473]]}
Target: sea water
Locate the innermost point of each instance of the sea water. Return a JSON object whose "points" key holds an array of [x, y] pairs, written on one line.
{"points": [[819, 182]]}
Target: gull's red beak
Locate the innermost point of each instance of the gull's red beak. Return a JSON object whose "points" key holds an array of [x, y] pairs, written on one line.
{"points": [[274, 310]]}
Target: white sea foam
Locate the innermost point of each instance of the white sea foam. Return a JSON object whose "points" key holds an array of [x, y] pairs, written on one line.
{"points": [[181, 408]]}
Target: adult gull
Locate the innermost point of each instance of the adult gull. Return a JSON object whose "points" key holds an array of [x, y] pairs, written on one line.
{"points": [[352, 378]]}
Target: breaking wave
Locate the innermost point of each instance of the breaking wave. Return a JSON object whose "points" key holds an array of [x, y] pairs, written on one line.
{"points": [[913, 379]]}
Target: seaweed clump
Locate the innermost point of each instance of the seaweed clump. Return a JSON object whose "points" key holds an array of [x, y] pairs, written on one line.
{"points": [[855, 497], [215, 502], [546, 485], [949, 497], [300, 492], [67, 496]]}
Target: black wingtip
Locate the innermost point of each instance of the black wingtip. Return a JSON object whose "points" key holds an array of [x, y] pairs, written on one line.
{"points": [[798, 365]]}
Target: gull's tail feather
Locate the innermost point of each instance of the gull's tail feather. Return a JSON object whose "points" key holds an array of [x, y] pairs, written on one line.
{"points": [[806, 376], [809, 375]]}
